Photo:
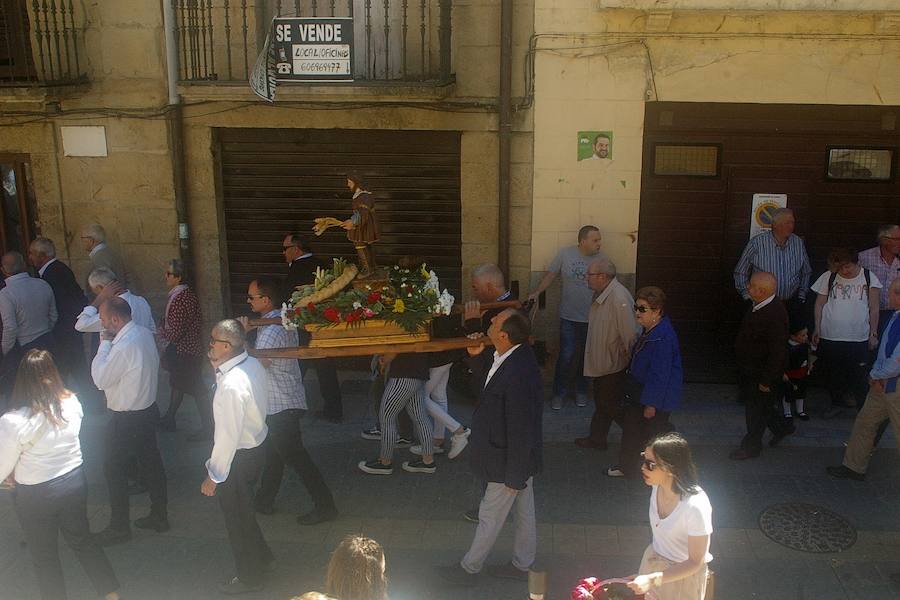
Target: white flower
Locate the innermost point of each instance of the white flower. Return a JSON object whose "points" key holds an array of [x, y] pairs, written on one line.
{"points": [[432, 283], [285, 321], [445, 302], [357, 305]]}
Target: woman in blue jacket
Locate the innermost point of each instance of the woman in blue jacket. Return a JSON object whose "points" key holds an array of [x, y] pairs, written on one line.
{"points": [[653, 387]]}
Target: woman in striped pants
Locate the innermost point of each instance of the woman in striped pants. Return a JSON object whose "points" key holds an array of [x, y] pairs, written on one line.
{"points": [[405, 388]]}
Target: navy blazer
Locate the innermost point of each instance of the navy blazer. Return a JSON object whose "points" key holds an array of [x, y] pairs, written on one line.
{"points": [[70, 298], [506, 444]]}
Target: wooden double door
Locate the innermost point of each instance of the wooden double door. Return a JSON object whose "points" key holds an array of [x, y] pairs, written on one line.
{"points": [[695, 218]]}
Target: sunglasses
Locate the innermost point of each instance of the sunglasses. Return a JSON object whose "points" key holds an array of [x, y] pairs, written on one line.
{"points": [[640, 308], [648, 464]]}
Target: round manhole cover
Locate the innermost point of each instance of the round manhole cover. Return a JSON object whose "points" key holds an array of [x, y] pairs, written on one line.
{"points": [[807, 527]]}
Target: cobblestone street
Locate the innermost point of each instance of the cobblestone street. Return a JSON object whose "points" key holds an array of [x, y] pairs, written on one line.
{"points": [[588, 524]]}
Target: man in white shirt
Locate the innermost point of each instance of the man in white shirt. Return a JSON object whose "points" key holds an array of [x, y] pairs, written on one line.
{"points": [[127, 369], [105, 285], [286, 404], [27, 308], [238, 454]]}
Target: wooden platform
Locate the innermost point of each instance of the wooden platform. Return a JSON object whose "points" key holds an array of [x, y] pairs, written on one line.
{"points": [[368, 350]]}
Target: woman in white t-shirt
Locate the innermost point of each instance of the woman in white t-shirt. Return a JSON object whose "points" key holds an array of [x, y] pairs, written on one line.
{"points": [[846, 311], [40, 456], [674, 564]]}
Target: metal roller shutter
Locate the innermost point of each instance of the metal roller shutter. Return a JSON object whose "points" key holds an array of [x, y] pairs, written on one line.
{"points": [[274, 181]]}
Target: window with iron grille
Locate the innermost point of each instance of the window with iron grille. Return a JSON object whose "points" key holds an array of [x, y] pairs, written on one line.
{"points": [[685, 159], [873, 164]]}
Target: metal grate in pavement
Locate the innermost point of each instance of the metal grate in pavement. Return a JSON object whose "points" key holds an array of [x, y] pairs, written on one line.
{"points": [[807, 527]]}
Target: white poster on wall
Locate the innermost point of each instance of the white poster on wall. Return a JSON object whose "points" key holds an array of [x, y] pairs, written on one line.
{"points": [[764, 207]]}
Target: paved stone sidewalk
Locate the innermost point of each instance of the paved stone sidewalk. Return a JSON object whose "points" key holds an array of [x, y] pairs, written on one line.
{"points": [[589, 524]]}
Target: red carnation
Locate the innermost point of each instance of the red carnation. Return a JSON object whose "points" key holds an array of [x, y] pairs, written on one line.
{"points": [[311, 307], [373, 297], [298, 310], [332, 314]]}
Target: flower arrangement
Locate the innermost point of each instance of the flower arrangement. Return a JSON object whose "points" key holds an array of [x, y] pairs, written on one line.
{"points": [[410, 299], [592, 588]]}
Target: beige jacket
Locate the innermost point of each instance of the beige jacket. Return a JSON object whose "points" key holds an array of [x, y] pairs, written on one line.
{"points": [[612, 330]]}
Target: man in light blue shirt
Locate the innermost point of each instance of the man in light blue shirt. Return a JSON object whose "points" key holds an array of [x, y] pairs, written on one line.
{"points": [[883, 401]]}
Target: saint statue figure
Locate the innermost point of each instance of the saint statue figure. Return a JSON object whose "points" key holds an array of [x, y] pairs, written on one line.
{"points": [[362, 226]]}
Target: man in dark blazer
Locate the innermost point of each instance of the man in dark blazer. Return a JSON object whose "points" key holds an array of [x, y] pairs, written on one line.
{"points": [[506, 447], [761, 352], [70, 300], [302, 266]]}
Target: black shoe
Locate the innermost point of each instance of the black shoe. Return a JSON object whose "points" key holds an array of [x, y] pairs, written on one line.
{"points": [[803, 416], [236, 586], [111, 536], [157, 524], [741, 454], [374, 467], [318, 515], [507, 571], [371, 434], [456, 575], [403, 442], [471, 515], [136, 488], [417, 466], [843, 472]]}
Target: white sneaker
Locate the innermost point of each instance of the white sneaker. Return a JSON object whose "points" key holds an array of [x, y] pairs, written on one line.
{"points": [[556, 403], [417, 450], [581, 400], [458, 443], [615, 472]]}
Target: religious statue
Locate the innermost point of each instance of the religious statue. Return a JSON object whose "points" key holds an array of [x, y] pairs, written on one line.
{"points": [[362, 226]]}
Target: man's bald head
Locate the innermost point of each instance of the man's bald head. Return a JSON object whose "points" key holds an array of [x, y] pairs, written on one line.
{"points": [[762, 285]]}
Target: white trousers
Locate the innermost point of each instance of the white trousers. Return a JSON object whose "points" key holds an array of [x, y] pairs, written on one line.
{"points": [[492, 513]]}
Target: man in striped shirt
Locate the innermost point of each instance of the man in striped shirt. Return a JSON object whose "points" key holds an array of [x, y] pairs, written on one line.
{"points": [[286, 404], [884, 261], [779, 252]]}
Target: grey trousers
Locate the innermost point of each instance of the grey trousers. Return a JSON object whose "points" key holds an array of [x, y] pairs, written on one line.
{"points": [[492, 513]]}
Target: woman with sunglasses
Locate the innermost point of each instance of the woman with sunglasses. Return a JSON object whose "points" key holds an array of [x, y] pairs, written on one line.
{"points": [[182, 352], [674, 565], [653, 381]]}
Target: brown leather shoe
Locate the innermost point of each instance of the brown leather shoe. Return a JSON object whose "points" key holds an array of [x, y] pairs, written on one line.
{"points": [[587, 442]]}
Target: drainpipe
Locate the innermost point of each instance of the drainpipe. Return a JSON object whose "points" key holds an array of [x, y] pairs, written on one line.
{"points": [[175, 124], [505, 133]]}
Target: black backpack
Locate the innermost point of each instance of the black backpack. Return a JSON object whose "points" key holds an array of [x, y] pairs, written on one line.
{"points": [[831, 282]]}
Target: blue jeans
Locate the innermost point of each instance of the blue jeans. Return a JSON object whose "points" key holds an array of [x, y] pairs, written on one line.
{"points": [[572, 338]]}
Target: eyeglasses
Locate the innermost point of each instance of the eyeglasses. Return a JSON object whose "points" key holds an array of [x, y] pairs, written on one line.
{"points": [[595, 274], [286, 248], [256, 297], [213, 341], [641, 308], [648, 464], [893, 239]]}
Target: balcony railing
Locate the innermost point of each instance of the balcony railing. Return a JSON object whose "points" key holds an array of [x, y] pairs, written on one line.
{"points": [[394, 40], [41, 43]]}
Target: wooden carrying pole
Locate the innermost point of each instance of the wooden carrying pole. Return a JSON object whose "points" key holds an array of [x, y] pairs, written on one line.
{"points": [[431, 346], [457, 309]]}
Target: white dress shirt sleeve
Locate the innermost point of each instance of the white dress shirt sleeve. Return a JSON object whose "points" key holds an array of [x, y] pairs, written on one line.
{"points": [[110, 367], [88, 320], [228, 413], [8, 316], [9, 445]]}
